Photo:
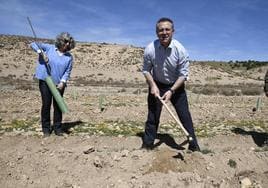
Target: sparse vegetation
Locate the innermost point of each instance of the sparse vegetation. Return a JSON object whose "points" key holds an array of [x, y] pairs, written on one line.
{"points": [[19, 125], [232, 163], [226, 90], [232, 65], [206, 151], [110, 128]]}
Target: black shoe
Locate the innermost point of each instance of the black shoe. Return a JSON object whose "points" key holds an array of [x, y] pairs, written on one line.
{"points": [[265, 143], [46, 134], [194, 148], [147, 146], [59, 133]]}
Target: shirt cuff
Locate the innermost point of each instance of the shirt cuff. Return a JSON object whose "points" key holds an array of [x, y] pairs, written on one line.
{"points": [[185, 77], [145, 72]]}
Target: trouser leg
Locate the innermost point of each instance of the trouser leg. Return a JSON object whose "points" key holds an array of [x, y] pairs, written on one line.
{"points": [[180, 102], [46, 105], [57, 117], [152, 123]]}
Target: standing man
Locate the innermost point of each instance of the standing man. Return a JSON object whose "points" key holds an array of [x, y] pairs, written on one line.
{"points": [[58, 57], [266, 84], [266, 93], [165, 69]]}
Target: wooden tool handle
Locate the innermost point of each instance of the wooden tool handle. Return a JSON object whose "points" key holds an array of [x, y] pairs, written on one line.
{"points": [[175, 118]]}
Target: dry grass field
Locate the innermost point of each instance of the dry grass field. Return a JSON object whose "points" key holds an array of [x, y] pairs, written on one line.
{"points": [[106, 97]]}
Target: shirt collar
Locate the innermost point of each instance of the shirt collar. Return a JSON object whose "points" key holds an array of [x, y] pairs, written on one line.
{"points": [[60, 53], [169, 46]]}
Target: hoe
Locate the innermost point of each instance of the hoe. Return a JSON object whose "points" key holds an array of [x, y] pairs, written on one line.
{"points": [[176, 119]]}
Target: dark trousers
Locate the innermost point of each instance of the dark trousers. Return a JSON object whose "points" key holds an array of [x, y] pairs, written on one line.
{"points": [[180, 103], [47, 99]]}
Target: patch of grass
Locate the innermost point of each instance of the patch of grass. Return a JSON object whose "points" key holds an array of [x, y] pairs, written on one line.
{"points": [[226, 90], [107, 128], [170, 128], [129, 128], [206, 151], [212, 78], [117, 103], [111, 128], [212, 128], [204, 132], [249, 124], [263, 149], [19, 124]]}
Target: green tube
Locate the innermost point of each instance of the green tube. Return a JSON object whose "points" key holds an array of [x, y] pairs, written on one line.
{"points": [[56, 94]]}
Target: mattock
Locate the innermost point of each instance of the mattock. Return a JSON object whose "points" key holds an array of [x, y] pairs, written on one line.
{"points": [[176, 119]]}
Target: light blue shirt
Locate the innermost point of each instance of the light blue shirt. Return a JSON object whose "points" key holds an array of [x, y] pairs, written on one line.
{"points": [[60, 63], [166, 65]]}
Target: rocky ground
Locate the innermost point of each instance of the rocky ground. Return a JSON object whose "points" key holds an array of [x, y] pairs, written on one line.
{"points": [[105, 122]]}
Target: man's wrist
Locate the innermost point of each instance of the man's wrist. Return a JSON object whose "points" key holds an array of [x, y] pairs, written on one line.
{"points": [[172, 91]]}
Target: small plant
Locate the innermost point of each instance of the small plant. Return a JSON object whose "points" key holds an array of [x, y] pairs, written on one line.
{"points": [[101, 101], [232, 163], [265, 148], [122, 90], [212, 78], [206, 151], [74, 95]]}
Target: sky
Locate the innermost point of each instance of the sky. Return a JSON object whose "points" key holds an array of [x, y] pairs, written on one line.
{"points": [[214, 30]]}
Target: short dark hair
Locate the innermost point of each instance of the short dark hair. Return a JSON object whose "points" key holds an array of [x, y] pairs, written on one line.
{"points": [[165, 19]]}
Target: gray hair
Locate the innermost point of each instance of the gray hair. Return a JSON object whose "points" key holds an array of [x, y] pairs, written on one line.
{"points": [[63, 38]]}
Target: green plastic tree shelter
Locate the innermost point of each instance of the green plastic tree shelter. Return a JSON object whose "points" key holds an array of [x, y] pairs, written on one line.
{"points": [[56, 94]]}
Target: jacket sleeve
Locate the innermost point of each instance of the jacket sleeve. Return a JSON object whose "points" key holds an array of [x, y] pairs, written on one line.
{"points": [[67, 73], [37, 47]]}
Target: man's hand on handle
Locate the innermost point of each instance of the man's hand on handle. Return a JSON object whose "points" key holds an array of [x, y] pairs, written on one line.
{"points": [[155, 91], [167, 96]]}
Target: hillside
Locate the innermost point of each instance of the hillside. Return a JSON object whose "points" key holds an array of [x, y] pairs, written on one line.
{"points": [[111, 64]]}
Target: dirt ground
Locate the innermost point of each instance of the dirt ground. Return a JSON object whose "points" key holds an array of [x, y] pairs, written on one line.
{"points": [[107, 110], [101, 161], [232, 155]]}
